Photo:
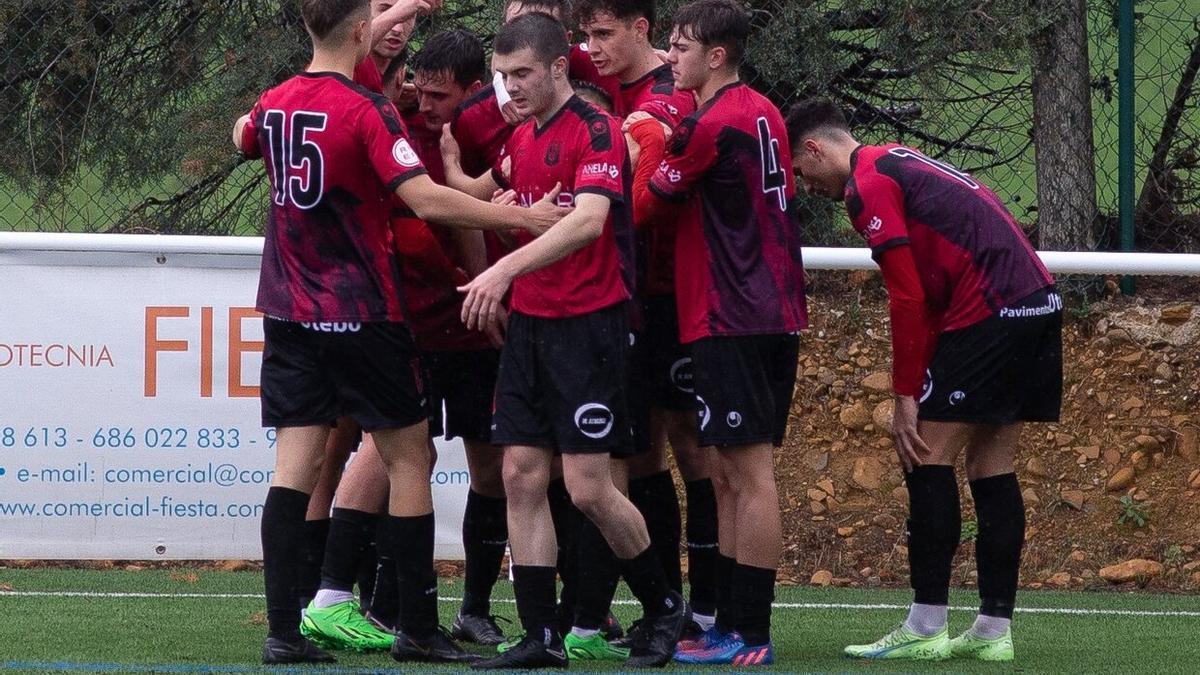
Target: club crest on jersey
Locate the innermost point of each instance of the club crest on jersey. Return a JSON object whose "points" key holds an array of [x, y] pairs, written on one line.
{"points": [[404, 155], [553, 152], [594, 420]]}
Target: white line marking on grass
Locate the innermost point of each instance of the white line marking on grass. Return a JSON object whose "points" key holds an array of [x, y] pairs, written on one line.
{"points": [[1072, 611]]}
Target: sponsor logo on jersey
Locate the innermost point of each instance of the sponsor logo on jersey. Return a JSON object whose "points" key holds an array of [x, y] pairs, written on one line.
{"points": [[601, 168], [682, 375]]}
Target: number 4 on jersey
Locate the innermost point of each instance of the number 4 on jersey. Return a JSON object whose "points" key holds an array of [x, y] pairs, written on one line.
{"points": [[774, 180]]}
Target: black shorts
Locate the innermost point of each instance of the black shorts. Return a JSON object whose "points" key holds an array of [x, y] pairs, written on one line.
{"points": [[744, 387], [462, 387], [562, 382], [638, 395], [668, 378], [313, 374], [1004, 369]]}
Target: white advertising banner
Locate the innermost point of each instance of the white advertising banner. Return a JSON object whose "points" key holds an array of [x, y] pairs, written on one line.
{"points": [[129, 411]]}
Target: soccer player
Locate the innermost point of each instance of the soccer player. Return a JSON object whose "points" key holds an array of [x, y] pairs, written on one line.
{"points": [[976, 351], [335, 341], [739, 284], [618, 40], [561, 381]]}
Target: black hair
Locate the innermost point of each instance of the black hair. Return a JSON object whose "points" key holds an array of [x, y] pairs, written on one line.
{"points": [[540, 32], [716, 23], [322, 17], [457, 52], [813, 114], [625, 10], [589, 91]]}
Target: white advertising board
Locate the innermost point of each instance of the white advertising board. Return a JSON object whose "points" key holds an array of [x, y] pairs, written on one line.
{"points": [[129, 411]]}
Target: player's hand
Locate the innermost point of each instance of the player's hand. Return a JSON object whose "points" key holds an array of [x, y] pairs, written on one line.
{"points": [[910, 448], [484, 304], [511, 114], [451, 153], [495, 331], [545, 212], [506, 168], [407, 99], [406, 9], [504, 197]]}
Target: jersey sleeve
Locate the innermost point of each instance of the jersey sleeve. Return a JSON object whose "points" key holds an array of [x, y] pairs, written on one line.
{"points": [[250, 147], [651, 139], [602, 161], [690, 153], [913, 331], [876, 207], [498, 175], [389, 151]]}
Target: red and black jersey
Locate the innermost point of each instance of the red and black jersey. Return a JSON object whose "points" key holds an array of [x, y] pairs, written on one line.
{"points": [[737, 265], [971, 255], [367, 74], [480, 130], [582, 148], [431, 263], [654, 93], [580, 67], [334, 154]]}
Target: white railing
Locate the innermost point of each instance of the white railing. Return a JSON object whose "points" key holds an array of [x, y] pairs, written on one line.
{"points": [[817, 258]]}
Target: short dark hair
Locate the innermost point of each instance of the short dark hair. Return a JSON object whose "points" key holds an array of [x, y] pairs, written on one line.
{"points": [[814, 114], [590, 91], [323, 16], [540, 32], [398, 61], [716, 23], [559, 9], [457, 52], [625, 10]]}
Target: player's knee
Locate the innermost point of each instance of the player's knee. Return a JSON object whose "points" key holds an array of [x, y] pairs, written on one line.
{"points": [[589, 497], [692, 462]]}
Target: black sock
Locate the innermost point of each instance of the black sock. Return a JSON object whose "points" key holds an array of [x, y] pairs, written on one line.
{"points": [[308, 574], [753, 593], [534, 588], [367, 566], [1001, 514], [934, 530], [725, 607], [702, 545], [411, 540], [567, 519], [656, 498], [385, 600], [349, 533], [282, 534], [485, 534], [598, 577], [645, 578]]}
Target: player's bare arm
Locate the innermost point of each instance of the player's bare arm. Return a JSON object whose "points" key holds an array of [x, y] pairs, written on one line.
{"points": [[482, 187], [238, 128], [398, 13], [446, 206], [483, 305]]}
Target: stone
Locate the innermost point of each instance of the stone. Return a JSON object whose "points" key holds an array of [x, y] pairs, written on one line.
{"points": [[867, 473], [855, 417], [1176, 314], [1090, 451], [1059, 579], [1132, 403], [1147, 444], [1118, 336], [879, 381], [1030, 496], [1140, 495], [900, 494], [820, 462], [1139, 460], [1137, 569], [1036, 467], [817, 508], [821, 578], [1073, 499], [1194, 479], [845, 532], [1164, 372], [1078, 555], [816, 495], [1189, 442], [883, 414], [827, 486], [1111, 457], [1120, 480]]}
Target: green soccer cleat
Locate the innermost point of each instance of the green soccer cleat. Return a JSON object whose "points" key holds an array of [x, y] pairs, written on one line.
{"points": [[970, 646], [341, 626], [509, 643], [594, 648], [903, 643]]}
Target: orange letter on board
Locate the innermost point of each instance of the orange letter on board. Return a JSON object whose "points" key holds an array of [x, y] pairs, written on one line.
{"points": [[154, 345], [237, 347]]}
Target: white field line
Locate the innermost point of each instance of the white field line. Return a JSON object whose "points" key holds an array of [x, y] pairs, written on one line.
{"points": [[1070, 611]]}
